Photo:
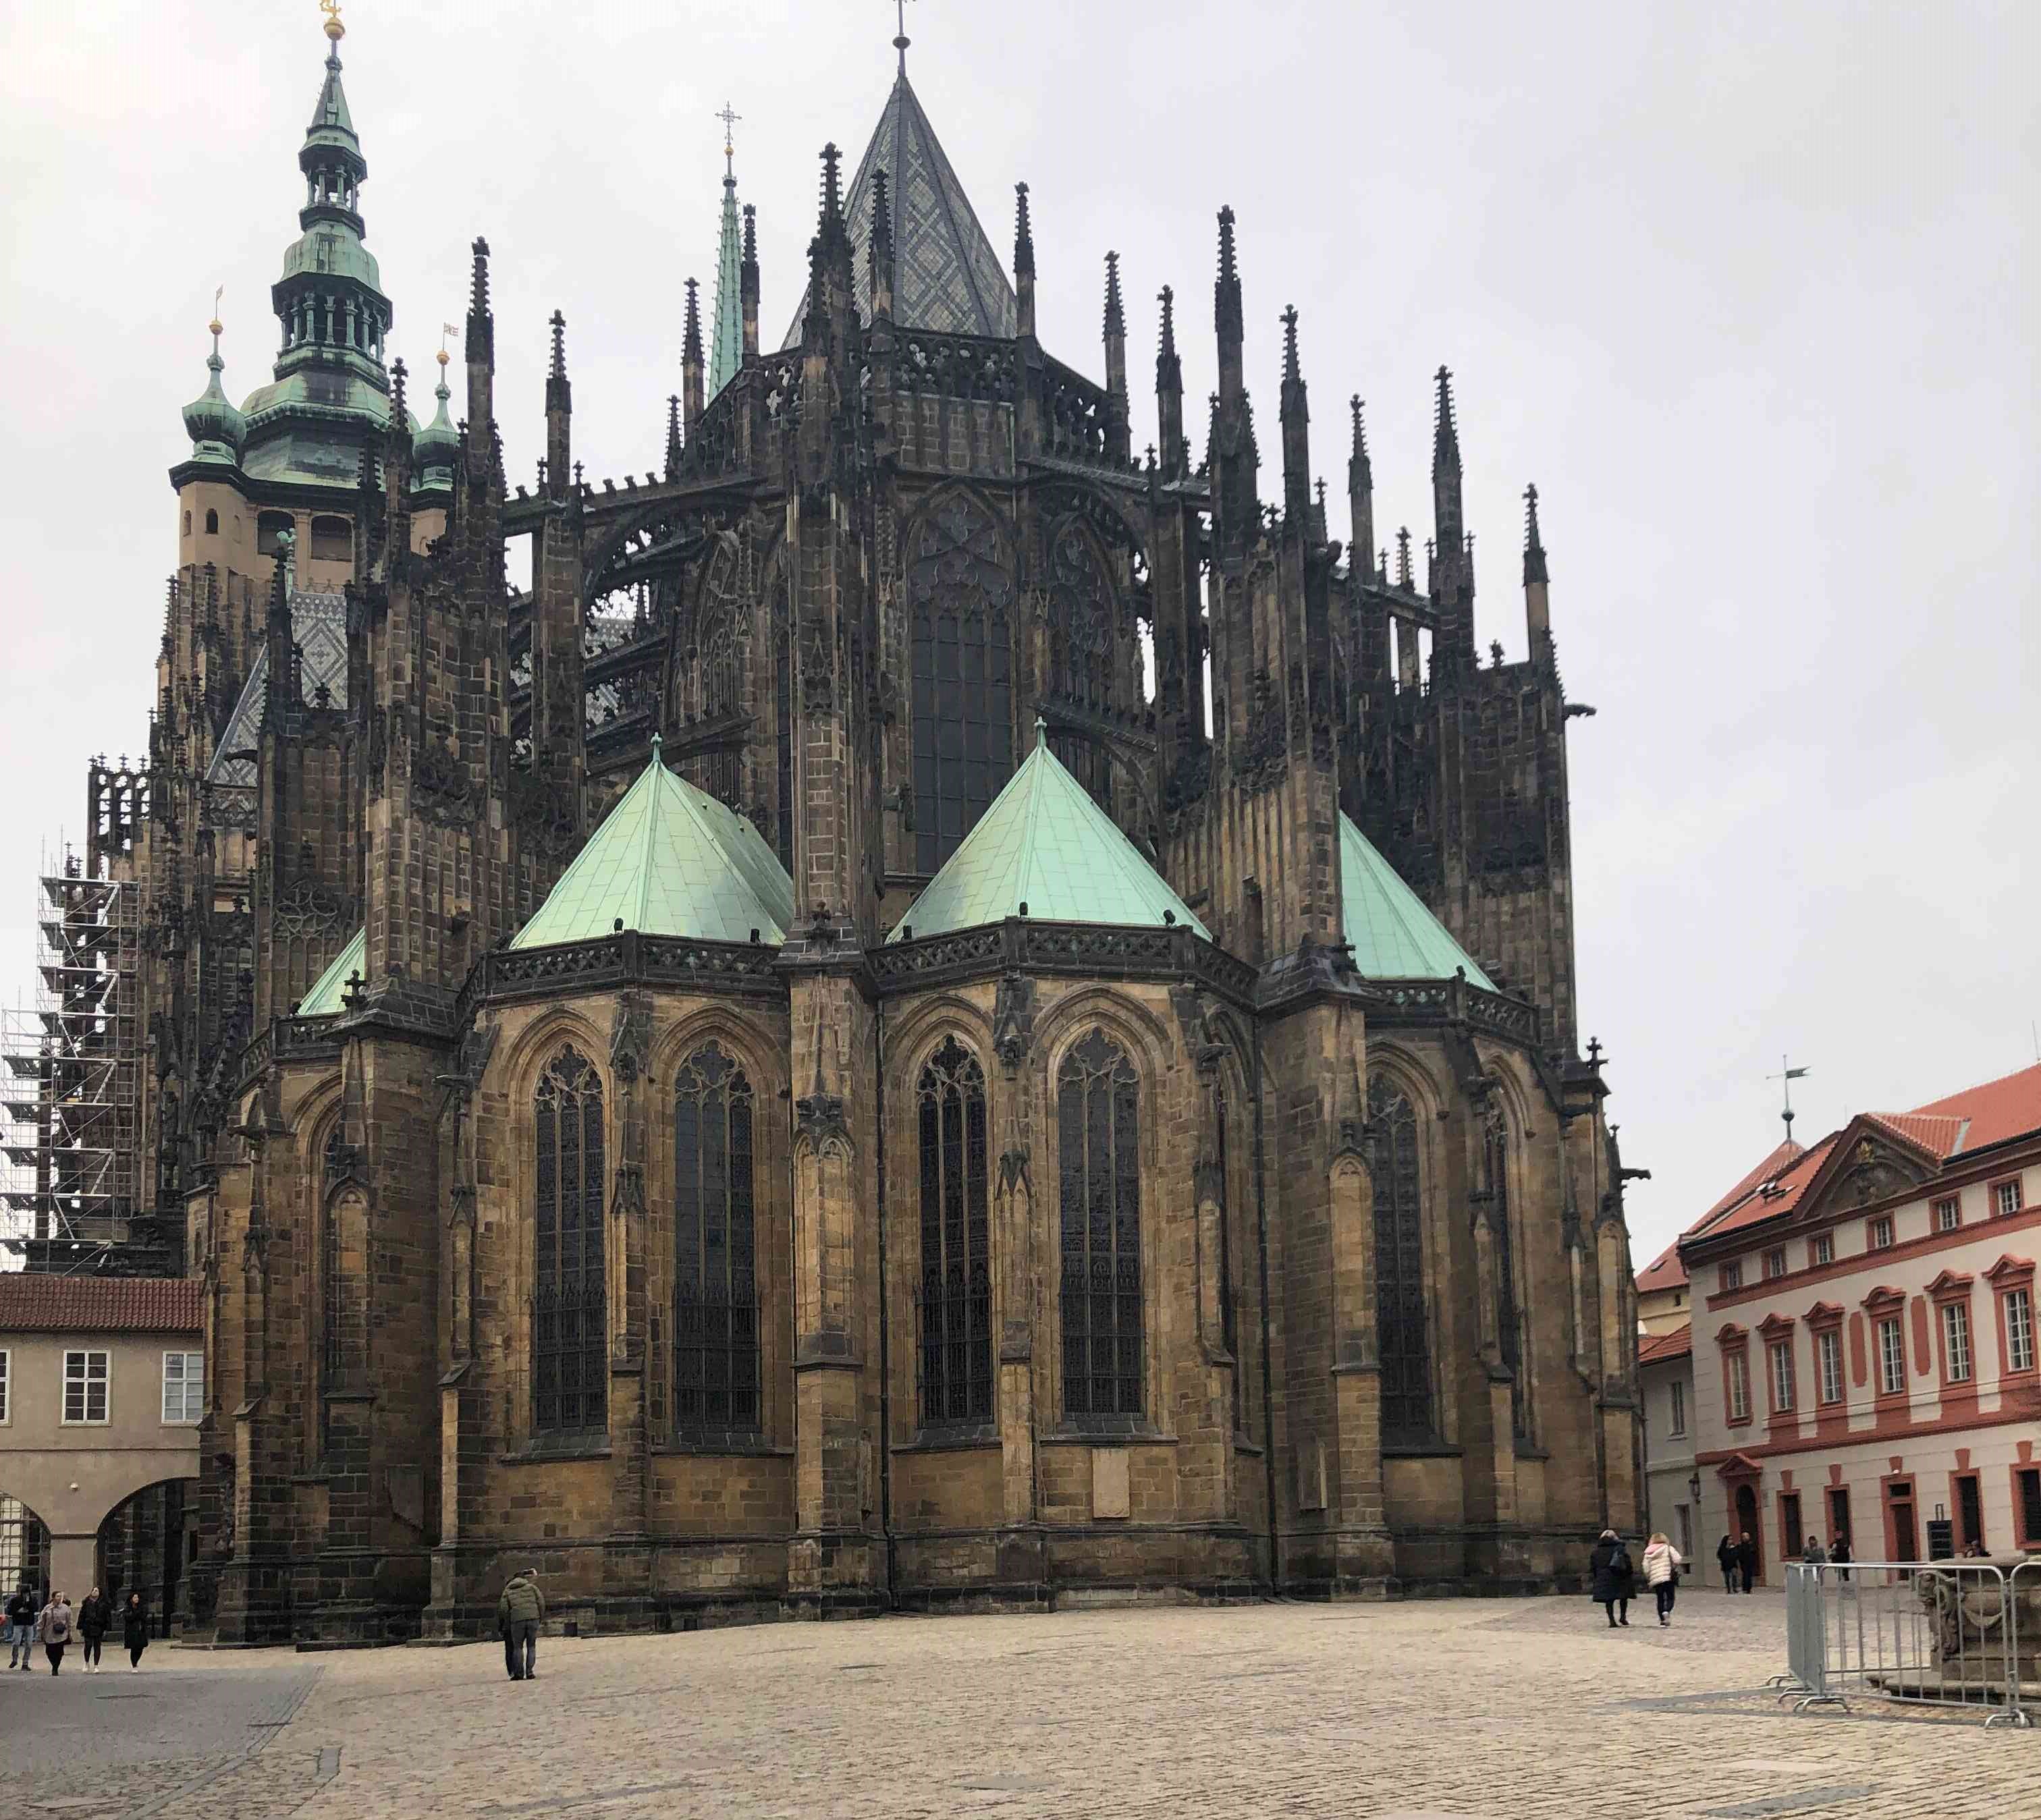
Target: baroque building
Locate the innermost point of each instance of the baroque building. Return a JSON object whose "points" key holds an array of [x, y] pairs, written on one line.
{"points": [[939, 1012]]}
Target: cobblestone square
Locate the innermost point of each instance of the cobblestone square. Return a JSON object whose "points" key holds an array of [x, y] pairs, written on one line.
{"points": [[1455, 1710]]}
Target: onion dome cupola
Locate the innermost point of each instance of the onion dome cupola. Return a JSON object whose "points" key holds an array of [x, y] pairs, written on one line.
{"points": [[331, 391], [436, 448], [210, 420]]}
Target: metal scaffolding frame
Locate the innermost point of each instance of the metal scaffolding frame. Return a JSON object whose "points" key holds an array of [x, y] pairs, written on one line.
{"points": [[71, 1070]]}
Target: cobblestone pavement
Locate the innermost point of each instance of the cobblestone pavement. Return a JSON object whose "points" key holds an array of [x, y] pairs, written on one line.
{"points": [[1452, 1710]]}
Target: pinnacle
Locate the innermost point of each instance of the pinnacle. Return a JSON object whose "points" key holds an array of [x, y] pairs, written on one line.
{"points": [[559, 367], [1116, 313], [882, 212], [1024, 233], [1292, 374], [691, 345], [1168, 299], [1446, 443], [832, 190], [750, 234], [477, 300]]}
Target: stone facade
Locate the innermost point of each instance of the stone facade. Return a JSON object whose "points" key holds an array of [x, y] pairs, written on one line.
{"points": [[875, 557]]}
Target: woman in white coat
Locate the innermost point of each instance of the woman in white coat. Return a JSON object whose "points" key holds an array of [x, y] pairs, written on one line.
{"points": [[1662, 1563]]}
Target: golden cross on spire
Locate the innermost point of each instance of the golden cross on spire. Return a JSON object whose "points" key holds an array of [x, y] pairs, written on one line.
{"points": [[729, 117], [334, 29]]}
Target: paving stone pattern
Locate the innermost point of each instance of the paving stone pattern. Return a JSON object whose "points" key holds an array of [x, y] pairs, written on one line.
{"points": [[1453, 1710]]}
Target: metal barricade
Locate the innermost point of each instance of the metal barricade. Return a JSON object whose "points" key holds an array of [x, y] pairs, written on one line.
{"points": [[1964, 1634]]}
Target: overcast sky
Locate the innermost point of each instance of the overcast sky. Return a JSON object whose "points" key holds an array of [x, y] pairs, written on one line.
{"points": [[1741, 287]]}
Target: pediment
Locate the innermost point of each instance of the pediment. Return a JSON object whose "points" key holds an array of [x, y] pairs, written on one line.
{"points": [[1870, 1163]]}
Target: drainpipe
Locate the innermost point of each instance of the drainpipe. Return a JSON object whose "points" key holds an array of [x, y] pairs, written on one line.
{"points": [[1268, 1378]]}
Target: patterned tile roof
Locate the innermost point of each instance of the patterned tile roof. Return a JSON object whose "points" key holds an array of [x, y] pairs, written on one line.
{"points": [[668, 859], [1393, 935], [331, 987], [318, 628], [945, 275], [31, 1302], [1655, 1349], [1045, 843]]}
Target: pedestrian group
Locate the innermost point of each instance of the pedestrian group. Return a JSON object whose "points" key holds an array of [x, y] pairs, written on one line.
{"points": [[55, 1624]]}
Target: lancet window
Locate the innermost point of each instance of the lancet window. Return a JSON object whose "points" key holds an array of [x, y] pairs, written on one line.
{"points": [[1098, 1133], [1083, 654], [956, 1292], [960, 594], [1402, 1328], [570, 1350], [715, 1281]]}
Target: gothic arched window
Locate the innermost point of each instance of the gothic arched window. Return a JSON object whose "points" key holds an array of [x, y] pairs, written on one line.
{"points": [[715, 1280], [1400, 1323], [959, 593], [957, 1275], [1083, 657], [1509, 1323], [1099, 1154], [570, 1346]]}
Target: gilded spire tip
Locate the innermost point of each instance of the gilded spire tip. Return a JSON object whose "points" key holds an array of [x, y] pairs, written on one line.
{"points": [[333, 28]]}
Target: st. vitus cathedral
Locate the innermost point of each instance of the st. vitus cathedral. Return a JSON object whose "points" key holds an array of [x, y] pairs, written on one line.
{"points": [[942, 1013]]}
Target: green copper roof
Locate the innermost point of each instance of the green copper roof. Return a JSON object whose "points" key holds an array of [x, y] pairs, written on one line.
{"points": [[1046, 843], [1392, 934], [324, 999], [726, 350], [210, 421], [668, 859]]}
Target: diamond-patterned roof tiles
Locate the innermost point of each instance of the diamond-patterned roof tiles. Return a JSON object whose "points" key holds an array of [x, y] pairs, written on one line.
{"points": [[1046, 843], [668, 859], [1392, 934], [946, 276], [318, 628]]}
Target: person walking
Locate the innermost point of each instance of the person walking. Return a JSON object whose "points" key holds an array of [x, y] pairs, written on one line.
{"points": [[21, 1614], [1746, 1559], [135, 1630], [95, 1618], [1840, 1554], [1726, 1559], [517, 1615], [1814, 1555], [53, 1627], [1610, 1565], [1662, 1563]]}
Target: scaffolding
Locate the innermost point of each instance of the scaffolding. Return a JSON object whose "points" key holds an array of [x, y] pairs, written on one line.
{"points": [[71, 1072]]}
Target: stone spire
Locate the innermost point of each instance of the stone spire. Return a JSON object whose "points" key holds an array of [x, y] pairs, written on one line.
{"points": [[559, 413], [1024, 264], [1296, 426], [1537, 605], [727, 348], [1361, 492], [749, 272], [1169, 391], [1118, 430], [673, 436], [691, 360]]}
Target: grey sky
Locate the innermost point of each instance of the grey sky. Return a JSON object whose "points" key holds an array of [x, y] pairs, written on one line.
{"points": [[1741, 287]]}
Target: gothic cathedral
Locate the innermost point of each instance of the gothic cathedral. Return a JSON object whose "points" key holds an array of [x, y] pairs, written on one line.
{"points": [[939, 1014]]}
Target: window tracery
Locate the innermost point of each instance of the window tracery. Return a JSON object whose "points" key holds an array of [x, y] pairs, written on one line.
{"points": [[955, 1293], [1084, 657], [715, 1291], [1401, 1324], [1098, 1134], [569, 1353]]}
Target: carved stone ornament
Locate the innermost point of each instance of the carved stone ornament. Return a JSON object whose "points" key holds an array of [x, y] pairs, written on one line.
{"points": [[542, 811], [1013, 1019], [631, 1036], [440, 786], [1013, 1174], [303, 908], [819, 1117]]}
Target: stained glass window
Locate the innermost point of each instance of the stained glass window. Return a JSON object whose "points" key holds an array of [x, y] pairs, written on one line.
{"points": [[570, 1349], [716, 1285], [1402, 1327], [959, 590], [955, 1293], [1098, 1126]]}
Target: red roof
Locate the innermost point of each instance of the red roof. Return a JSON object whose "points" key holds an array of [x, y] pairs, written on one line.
{"points": [[1757, 1208], [35, 1301], [1664, 1271], [2009, 1107], [1787, 1153], [1656, 1349]]}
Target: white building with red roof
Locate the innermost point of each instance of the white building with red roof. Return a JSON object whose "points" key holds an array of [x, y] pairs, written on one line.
{"points": [[1864, 1337]]}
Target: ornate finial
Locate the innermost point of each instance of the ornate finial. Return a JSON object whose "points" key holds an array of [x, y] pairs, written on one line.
{"points": [[1167, 297], [729, 117], [399, 423], [750, 234], [832, 190], [691, 343], [1041, 733], [1023, 234], [1116, 313], [657, 746], [478, 299], [559, 366], [219, 291], [1290, 370], [900, 43], [673, 436], [1359, 428], [1446, 443], [333, 28], [881, 214], [1534, 543], [1229, 273], [1403, 557], [1322, 495]]}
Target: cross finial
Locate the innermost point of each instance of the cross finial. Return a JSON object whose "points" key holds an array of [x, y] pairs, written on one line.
{"points": [[729, 117], [900, 42]]}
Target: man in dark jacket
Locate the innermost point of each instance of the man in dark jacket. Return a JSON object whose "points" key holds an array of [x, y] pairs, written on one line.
{"points": [[517, 1615], [1725, 1560], [1746, 1559], [1611, 1566], [21, 1611]]}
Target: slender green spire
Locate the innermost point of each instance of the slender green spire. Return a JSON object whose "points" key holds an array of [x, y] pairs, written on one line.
{"points": [[726, 355]]}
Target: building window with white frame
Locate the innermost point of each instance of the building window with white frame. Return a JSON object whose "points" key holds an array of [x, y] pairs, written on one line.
{"points": [[1678, 1425], [184, 1386], [1774, 1261], [1879, 1233], [1956, 1340], [1739, 1388], [2006, 1197], [1891, 1357], [2018, 1330], [1732, 1274], [1829, 1360], [1782, 1377], [1822, 1250], [1948, 1214], [85, 1387]]}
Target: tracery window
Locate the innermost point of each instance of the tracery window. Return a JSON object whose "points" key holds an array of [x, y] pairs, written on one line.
{"points": [[1402, 1328], [955, 1293], [569, 1351], [959, 593], [1098, 1135], [1082, 658], [715, 1282], [1508, 1325], [711, 683]]}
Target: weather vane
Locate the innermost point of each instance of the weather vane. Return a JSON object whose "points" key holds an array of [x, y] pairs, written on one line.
{"points": [[448, 331], [1786, 1077], [220, 290], [334, 29]]}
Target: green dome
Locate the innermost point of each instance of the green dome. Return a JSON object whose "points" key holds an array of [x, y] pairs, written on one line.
{"points": [[330, 250], [437, 447], [210, 421]]}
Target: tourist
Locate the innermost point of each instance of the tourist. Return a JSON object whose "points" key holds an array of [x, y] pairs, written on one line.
{"points": [[1840, 1554], [95, 1618], [135, 1630], [54, 1628], [1746, 1559], [1726, 1557], [517, 1615], [1610, 1564], [1814, 1555], [1976, 1551], [21, 1627], [1662, 1563]]}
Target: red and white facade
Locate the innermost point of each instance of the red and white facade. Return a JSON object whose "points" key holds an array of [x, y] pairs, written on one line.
{"points": [[1865, 1344]]}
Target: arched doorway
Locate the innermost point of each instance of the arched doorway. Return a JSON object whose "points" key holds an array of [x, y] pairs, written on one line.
{"points": [[145, 1544], [1747, 1523]]}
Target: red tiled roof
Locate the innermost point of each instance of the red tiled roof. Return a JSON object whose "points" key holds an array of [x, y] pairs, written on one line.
{"points": [[1787, 1152], [34, 1302], [1938, 1136], [1655, 1349], [2009, 1107], [1792, 1181], [1664, 1271]]}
